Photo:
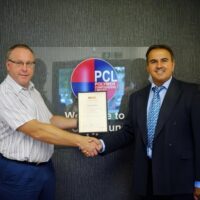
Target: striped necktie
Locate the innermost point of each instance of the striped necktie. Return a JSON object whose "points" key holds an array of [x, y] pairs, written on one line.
{"points": [[153, 114]]}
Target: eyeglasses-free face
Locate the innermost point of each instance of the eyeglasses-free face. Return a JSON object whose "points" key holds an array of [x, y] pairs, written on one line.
{"points": [[160, 65]]}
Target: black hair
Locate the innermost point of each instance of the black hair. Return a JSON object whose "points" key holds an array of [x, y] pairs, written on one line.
{"points": [[159, 46]]}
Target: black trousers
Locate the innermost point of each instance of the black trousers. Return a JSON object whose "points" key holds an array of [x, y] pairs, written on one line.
{"points": [[151, 196]]}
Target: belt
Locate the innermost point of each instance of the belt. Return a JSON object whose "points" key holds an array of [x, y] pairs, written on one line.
{"points": [[24, 162]]}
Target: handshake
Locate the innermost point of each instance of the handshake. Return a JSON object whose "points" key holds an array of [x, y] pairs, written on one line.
{"points": [[90, 146]]}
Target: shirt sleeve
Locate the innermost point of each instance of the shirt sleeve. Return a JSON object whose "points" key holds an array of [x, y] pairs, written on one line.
{"points": [[103, 146], [14, 111]]}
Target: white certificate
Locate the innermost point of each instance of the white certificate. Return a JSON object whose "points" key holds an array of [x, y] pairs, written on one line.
{"points": [[92, 112]]}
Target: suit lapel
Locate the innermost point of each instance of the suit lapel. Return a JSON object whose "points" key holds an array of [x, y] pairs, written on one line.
{"points": [[142, 112], [168, 105]]}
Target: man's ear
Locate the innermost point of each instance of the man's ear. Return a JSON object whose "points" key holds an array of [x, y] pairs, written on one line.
{"points": [[173, 66], [7, 66]]}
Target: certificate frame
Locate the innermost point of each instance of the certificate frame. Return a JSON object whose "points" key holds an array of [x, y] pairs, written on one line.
{"points": [[92, 112]]}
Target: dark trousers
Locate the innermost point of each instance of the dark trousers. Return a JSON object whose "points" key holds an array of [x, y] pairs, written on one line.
{"points": [[24, 181], [151, 196]]}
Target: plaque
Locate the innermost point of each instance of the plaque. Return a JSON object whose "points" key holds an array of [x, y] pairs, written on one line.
{"points": [[92, 112]]}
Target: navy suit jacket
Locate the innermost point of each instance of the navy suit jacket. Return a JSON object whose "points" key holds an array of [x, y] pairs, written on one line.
{"points": [[176, 145]]}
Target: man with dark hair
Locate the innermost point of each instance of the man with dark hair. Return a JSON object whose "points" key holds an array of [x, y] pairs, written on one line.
{"points": [[163, 123], [28, 131]]}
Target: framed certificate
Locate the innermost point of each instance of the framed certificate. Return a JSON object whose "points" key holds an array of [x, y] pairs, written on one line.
{"points": [[92, 112]]}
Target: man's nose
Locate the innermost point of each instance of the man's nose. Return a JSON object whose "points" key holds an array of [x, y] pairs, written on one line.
{"points": [[159, 64], [24, 66]]}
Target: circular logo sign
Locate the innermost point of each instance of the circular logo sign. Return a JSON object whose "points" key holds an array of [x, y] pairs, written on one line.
{"points": [[94, 74]]}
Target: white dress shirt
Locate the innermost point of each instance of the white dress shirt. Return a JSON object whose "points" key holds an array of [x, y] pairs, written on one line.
{"points": [[19, 105]]}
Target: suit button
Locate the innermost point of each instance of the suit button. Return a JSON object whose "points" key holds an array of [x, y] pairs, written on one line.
{"points": [[174, 123], [170, 145]]}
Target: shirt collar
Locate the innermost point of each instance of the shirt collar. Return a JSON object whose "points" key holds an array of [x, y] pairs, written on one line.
{"points": [[165, 84], [18, 88]]}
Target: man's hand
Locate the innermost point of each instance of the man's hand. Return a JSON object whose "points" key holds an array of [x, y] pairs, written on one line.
{"points": [[196, 193], [90, 146]]}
